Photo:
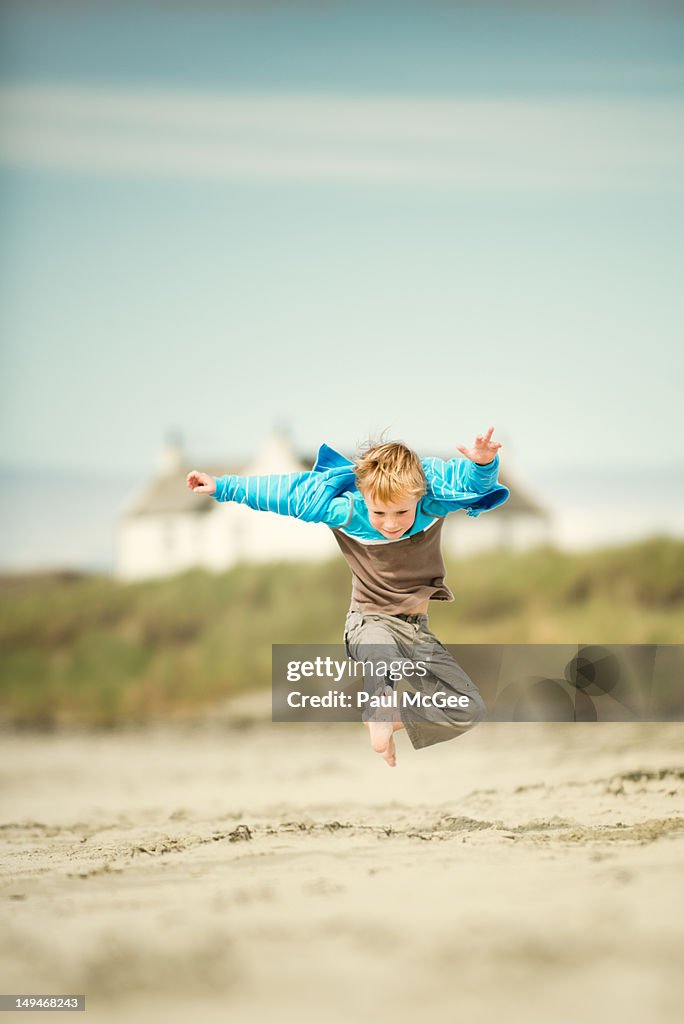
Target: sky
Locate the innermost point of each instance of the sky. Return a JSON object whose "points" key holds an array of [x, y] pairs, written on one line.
{"points": [[341, 217]]}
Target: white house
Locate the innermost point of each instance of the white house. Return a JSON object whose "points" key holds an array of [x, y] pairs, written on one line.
{"points": [[519, 523], [168, 528]]}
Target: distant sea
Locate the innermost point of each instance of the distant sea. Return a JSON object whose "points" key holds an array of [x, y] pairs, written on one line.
{"points": [[53, 519]]}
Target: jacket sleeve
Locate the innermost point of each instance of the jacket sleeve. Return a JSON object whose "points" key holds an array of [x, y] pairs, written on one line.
{"points": [[462, 484], [461, 475], [290, 494]]}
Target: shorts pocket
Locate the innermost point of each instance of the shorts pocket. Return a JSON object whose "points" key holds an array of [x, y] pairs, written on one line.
{"points": [[351, 623]]}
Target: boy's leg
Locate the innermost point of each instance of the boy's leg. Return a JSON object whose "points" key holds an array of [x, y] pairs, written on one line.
{"points": [[376, 637], [369, 638], [373, 638], [428, 725]]}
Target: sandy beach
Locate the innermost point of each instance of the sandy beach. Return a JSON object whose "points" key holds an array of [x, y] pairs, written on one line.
{"points": [[522, 873]]}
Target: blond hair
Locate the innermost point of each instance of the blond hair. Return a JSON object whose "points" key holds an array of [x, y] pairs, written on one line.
{"points": [[388, 471]]}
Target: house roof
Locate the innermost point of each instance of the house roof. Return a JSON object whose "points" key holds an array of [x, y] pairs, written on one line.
{"points": [[170, 494], [520, 502]]}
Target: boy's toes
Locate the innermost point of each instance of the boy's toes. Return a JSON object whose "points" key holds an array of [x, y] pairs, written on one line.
{"points": [[389, 754]]}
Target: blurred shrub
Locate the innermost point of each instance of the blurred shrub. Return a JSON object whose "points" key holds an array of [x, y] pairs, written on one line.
{"points": [[94, 650]]}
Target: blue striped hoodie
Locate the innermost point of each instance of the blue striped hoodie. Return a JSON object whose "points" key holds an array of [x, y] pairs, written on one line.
{"points": [[328, 493]]}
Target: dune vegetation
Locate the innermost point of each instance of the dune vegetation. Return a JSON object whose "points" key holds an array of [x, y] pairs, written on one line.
{"points": [[93, 650]]}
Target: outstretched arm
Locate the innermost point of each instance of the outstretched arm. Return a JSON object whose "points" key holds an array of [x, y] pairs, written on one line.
{"points": [[476, 473], [289, 494], [455, 483]]}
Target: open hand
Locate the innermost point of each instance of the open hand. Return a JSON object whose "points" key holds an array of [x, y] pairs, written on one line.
{"points": [[201, 482], [483, 451]]}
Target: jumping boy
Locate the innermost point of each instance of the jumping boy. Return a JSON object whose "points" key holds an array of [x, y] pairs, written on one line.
{"points": [[386, 511]]}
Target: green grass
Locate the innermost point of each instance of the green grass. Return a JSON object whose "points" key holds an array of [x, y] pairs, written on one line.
{"points": [[96, 651]]}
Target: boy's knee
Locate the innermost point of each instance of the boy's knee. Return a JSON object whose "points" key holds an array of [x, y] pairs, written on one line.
{"points": [[477, 707], [476, 711]]}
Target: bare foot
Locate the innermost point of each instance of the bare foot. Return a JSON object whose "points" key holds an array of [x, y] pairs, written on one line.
{"points": [[380, 735], [389, 753], [382, 739]]}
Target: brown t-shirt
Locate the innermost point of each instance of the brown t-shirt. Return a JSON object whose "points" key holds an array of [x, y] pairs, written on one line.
{"points": [[396, 576]]}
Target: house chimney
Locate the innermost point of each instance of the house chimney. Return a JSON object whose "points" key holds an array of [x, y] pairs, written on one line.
{"points": [[275, 454], [171, 460]]}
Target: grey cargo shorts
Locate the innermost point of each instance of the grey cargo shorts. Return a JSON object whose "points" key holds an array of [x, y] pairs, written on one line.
{"points": [[379, 637]]}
